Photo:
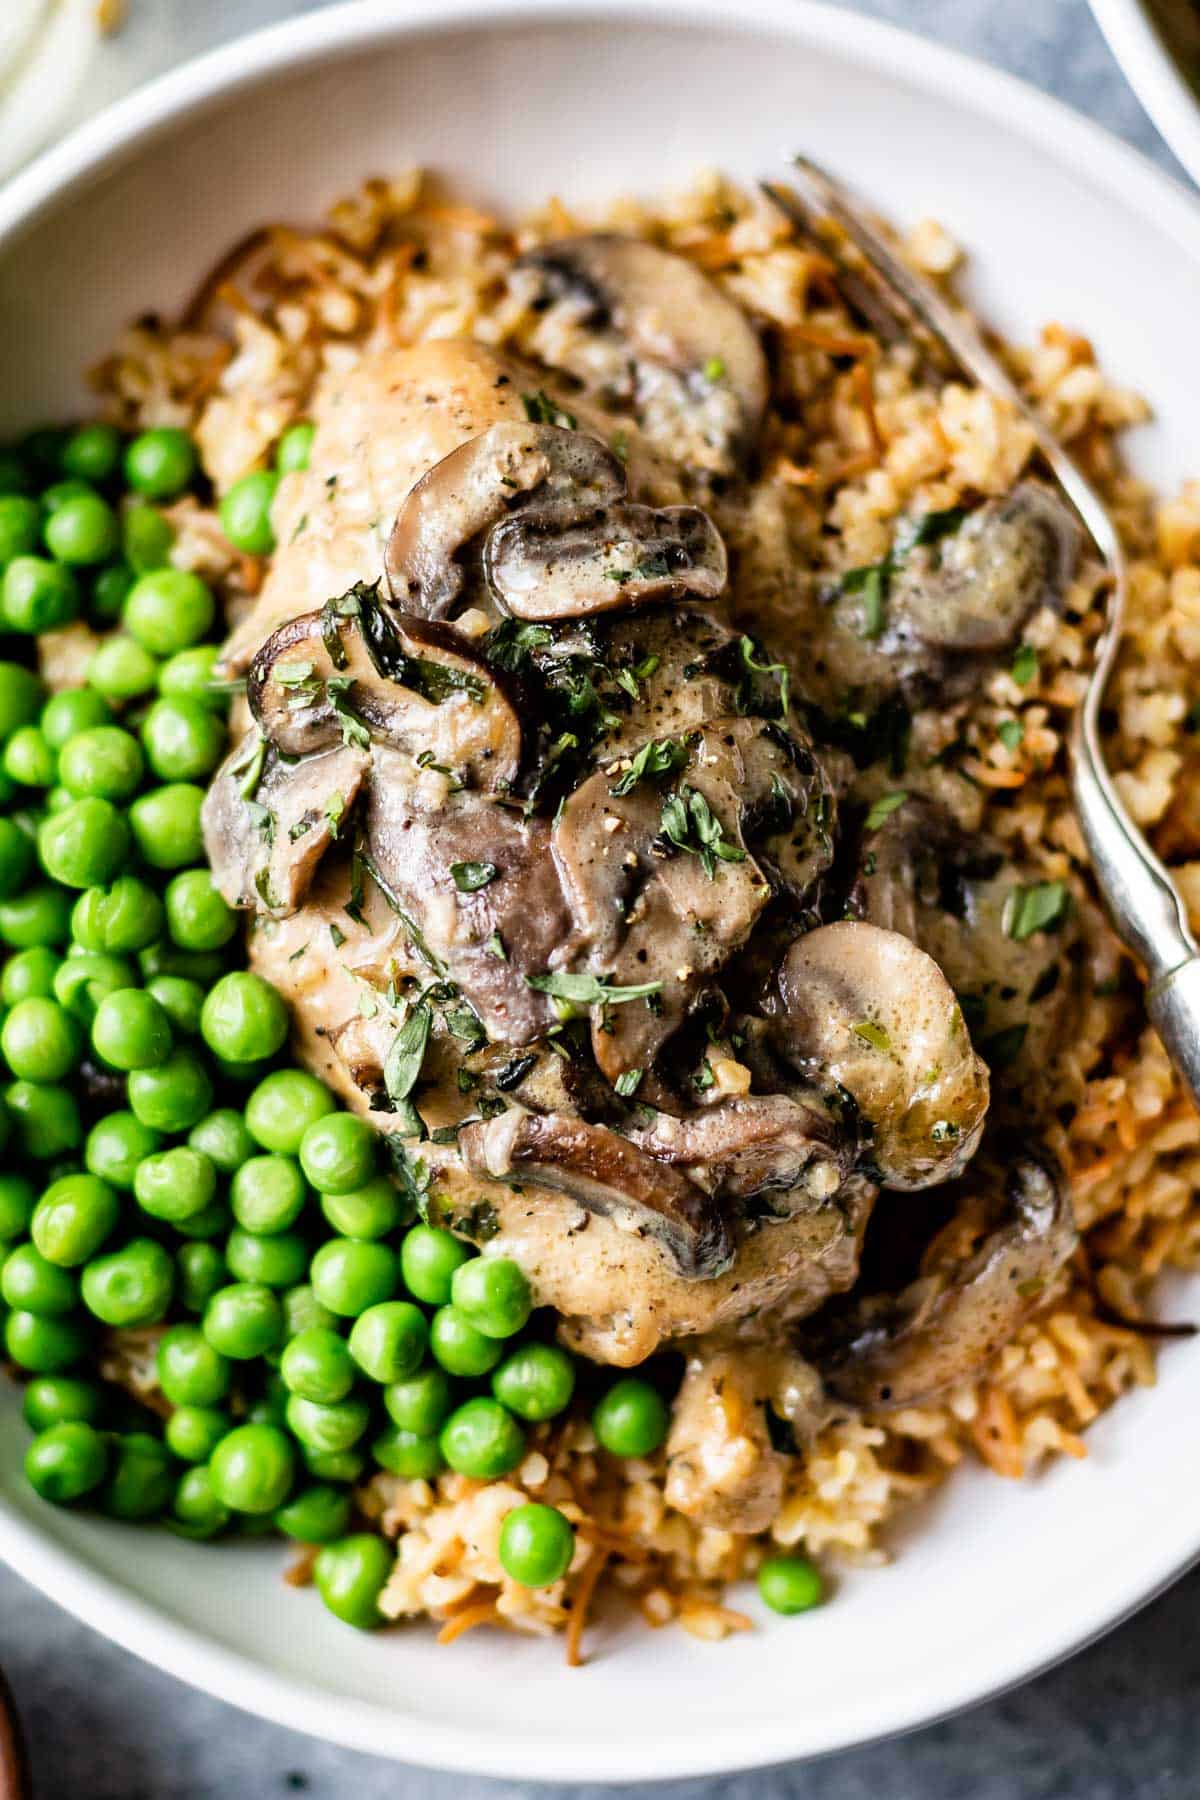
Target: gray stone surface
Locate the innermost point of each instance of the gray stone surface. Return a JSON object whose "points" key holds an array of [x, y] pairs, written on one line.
{"points": [[1118, 1723]]}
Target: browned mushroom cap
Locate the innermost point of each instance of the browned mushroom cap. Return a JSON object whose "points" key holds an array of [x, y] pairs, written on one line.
{"points": [[544, 564], [663, 879], [348, 672], [868, 1010], [982, 1278], [681, 659], [268, 821], [650, 332], [608, 1175], [481, 886], [972, 590], [760, 1144], [473, 488]]}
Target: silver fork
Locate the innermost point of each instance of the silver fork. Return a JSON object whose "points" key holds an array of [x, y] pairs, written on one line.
{"points": [[1144, 903]]}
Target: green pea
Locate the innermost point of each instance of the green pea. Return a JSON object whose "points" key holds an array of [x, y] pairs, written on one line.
{"points": [[140, 1481], [277, 1262], [41, 1345], [174, 1096], [85, 844], [334, 1465], [71, 711], [86, 978], [197, 917], [192, 675], [130, 1286], [536, 1381], [37, 595], [283, 1106], [460, 1347], [428, 1260], [32, 1284], [47, 1119], [268, 1194], [244, 1018], [493, 1294], [83, 531], [389, 1340], [146, 539], [348, 1276], [330, 1427], [127, 915], [223, 1138], [190, 1371], [28, 758], [175, 1184], [166, 825], [109, 588], [72, 1219], [105, 763], [92, 453], [160, 463], [212, 1221], [131, 1031], [350, 1575], [183, 739], [61, 493], [482, 1439], [38, 916], [317, 1365], [40, 1040], [116, 1145], [536, 1545], [243, 1320], [338, 1153], [302, 1311], [168, 610], [16, 858], [181, 1000], [20, 526], [66, 1462], [18, 1197], [192, 1433], [121, 670], [294, 448], [271, 1406], [20, 697], [195, 1510], [61, 1399], [246, 513], [420, 1403], [252, 1469], [407, 1455], [372, 1211], [29, 975], [165, 958], [201, 1273], [790, 1584], [631, 1419], [316, 1515]]}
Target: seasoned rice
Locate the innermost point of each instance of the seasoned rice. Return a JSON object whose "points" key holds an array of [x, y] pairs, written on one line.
{"points": [[852, 442]]}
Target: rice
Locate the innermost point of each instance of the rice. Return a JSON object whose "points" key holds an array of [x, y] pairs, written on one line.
{"points": [[853, 441]]}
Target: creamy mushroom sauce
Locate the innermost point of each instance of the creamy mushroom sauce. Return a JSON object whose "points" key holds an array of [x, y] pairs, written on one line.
{"points": [[615, 919]]}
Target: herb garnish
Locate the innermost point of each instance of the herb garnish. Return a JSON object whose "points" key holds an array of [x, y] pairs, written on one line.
{"points": [[469, 877], [690, 824], [589, 990], [354, 726], [540, 409], [746, 650], [874, 580], [872, 1034], [1041, 907], [402, 1068], [627, 1084], [1010, 732], [883, 809], [661, 756], [1025, 665]]}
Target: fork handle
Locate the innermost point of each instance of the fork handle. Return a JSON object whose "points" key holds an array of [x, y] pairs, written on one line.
{"points": [[1174, 1008]]}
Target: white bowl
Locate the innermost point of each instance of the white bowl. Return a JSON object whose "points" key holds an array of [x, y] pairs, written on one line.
{"points": [[511, 101], [1155, 51]]}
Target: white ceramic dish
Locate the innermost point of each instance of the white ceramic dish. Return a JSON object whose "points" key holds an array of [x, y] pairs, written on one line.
{"points": [[510, 101], [1156, 56]]}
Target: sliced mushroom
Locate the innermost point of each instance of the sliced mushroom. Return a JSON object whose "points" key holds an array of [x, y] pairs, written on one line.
{"points": [[488, 937], [268, 820], [545, 565], [647, 331], [868, 1010], [474, 487], [349, 671], [606, 1174], [683, 666], [757, 1145], [972, 590], [957, 896], [982, 1277]]}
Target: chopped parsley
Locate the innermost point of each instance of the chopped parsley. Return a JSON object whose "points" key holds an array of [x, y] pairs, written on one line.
{"points": [[874, 580], [1011, 732], [589, 990], [628, 1083], [354, 727], [747, 650], [689, 823], [872, 1034], [251, 772], [335, 812], [714, 369], [402, 1068], [495, 947], [469, 877], [883, 808], [1025, 665], [540, 409], [337, 934], [1041, 907], [661, 756]]}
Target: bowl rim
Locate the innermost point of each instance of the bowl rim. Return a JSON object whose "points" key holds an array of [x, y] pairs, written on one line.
{"points": [[84, 157], [1146, 61]]}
